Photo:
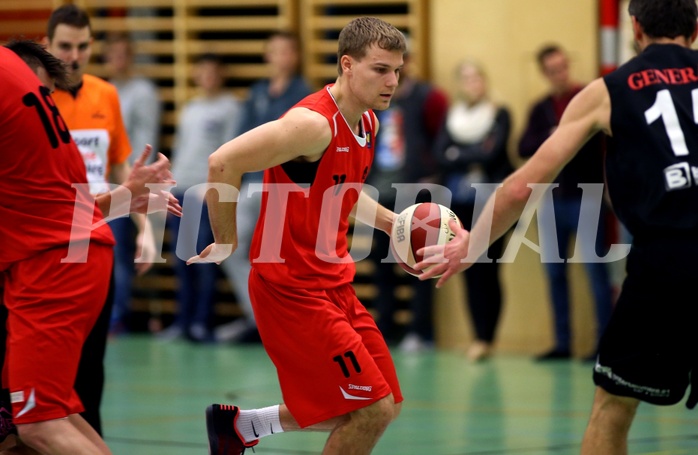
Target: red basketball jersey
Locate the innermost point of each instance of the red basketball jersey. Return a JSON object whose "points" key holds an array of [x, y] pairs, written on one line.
{"points": [[301, 235], [39, 162]]}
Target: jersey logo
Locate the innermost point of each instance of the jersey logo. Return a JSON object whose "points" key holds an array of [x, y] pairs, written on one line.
{"points": [[679, 176], [348, 396], [343, 149], [31, 404]]}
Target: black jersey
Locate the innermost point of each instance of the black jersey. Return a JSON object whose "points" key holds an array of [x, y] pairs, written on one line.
{"points": [[652, 158]]}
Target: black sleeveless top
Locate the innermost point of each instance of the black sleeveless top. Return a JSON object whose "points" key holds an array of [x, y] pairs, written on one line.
{"points": [[652, 158]]}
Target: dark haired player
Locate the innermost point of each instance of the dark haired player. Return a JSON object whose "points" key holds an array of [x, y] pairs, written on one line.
{"points": [[51, 300], [649, 110]]}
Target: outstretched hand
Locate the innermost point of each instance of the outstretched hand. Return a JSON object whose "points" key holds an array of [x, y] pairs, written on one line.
{"points": [[143, 200], [215, 252], [445, 260]]}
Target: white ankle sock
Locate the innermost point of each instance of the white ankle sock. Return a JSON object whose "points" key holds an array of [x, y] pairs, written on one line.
{"points": [[258, 423]]}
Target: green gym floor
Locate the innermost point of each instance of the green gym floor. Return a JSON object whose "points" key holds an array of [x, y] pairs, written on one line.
{"points": [[157, 391]]}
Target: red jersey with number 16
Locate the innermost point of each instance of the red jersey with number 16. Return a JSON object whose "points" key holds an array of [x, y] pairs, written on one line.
{"points": [[39, 163], [301, 235]]}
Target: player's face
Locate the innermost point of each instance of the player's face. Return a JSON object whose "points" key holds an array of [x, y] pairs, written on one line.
{"points": [[74, 47], [375, 77]]}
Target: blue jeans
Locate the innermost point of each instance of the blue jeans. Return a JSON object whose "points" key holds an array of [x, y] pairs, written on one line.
{"points": [[124, 255], [567, 215], [196, 288]]}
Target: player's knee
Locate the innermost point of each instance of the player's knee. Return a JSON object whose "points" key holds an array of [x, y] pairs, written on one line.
{"points": [[397, 408], [376, 415], [385, 411]]}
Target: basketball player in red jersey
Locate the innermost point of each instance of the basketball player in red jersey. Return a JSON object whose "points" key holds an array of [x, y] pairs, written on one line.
{"points": [[648, 107], [334, 368], [50, 301]]}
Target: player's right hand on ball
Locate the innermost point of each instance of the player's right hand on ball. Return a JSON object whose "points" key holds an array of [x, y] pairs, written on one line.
{"points": [[215, 252]]}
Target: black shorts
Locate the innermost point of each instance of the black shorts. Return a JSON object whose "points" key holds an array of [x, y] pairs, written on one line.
{"points": [[650, 346]]}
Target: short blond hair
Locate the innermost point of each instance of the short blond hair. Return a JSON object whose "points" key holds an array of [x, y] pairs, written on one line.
{"points": [[363, 32]]}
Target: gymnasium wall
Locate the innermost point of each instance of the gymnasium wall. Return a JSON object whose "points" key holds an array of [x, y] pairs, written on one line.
{"points": [[504, 36]]}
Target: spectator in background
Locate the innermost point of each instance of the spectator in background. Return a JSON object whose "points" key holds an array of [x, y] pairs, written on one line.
{"points": [[267, 100], [141, 111], [403, 155], [206, 122], [472, 148], [585, 168]]}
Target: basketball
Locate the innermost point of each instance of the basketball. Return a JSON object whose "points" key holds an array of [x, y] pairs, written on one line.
{"points": [[417, 226]]}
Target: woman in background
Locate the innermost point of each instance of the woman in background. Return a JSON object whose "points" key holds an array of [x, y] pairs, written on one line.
{"points": [[472, 148]]}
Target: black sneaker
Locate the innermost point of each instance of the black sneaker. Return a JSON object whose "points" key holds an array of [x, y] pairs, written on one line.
{"points": [[223, 436], [7, 426]]}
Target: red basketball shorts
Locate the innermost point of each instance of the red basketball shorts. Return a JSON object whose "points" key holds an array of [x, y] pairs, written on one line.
{"points": [[330, 357], [52, 307]]}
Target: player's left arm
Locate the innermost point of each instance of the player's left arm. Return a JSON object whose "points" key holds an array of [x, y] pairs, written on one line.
{"points": [[370, 212], [145, 239], [587, 113]]}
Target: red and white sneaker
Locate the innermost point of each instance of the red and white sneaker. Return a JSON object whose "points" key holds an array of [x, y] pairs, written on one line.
{"points": [[223, 436]]}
